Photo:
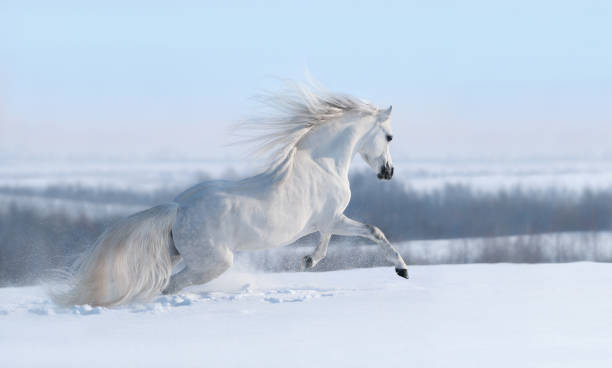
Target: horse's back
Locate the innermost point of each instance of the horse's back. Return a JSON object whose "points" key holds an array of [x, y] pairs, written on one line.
{"points": [[201, 190]]}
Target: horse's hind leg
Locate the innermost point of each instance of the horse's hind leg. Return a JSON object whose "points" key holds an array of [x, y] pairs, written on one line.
{"points": [[203, 264]]}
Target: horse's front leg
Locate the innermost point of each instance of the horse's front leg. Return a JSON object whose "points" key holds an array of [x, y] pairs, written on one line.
{"points": [[319, 253], [348, 227]]}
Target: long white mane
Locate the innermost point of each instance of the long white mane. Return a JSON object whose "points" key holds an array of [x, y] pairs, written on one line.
{"points": [[292, 113]]}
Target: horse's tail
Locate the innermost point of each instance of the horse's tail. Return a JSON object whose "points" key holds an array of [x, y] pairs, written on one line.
{"points": [[130, 261]]}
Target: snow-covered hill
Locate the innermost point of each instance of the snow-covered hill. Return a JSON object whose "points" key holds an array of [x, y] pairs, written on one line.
{"points": [[502, 315]]}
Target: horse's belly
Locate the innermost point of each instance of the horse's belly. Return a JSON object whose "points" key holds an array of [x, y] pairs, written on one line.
{"points": [[273, 240], [269, 233]]}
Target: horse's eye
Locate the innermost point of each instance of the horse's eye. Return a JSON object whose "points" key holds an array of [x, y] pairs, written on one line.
{"points": [[389, 137]]}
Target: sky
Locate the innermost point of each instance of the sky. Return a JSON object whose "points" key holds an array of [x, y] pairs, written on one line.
{"points": [[467, 79]]}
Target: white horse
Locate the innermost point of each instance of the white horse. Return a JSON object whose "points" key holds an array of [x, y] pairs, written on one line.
{"points": [[306, 190]]}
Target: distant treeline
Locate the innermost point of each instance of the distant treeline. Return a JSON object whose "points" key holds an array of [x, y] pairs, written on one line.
{"points": [[457, 211], [32, 241]]}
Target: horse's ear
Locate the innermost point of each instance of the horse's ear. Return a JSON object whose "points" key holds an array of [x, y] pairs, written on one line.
{"points": [[385, 114]]}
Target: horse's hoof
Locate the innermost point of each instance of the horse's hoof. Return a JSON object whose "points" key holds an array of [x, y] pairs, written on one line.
{"points": [[307, 262], [402, 272]]}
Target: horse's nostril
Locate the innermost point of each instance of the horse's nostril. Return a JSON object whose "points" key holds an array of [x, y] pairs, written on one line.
{"points": [[386, 171]]}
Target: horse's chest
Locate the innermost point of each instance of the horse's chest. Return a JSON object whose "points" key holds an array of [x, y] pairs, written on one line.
{"points": [[334, 196]]}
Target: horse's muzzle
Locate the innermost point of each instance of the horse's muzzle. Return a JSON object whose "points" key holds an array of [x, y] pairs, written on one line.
{"points": [[386, 172]]}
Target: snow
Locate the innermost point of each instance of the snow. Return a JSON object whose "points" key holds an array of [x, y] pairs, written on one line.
{"points": [[487, 315]]}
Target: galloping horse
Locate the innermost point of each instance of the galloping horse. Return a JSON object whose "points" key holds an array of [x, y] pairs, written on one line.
{"points": [[314, 137]]}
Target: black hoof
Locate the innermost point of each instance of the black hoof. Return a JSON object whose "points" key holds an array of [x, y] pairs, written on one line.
{"points": [[307, 261], [402, 272]]}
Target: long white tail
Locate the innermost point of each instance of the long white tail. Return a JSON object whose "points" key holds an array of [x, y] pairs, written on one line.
{"points": [[130, 261]]}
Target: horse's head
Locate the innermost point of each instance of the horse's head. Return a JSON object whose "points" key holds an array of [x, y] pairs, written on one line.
{"points": [[374, 147]]}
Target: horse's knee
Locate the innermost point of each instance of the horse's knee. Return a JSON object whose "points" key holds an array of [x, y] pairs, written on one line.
{"points": [[201, 270]]}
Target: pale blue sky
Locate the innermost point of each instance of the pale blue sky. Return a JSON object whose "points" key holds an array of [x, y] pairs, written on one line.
{"points": [[468, 78]]}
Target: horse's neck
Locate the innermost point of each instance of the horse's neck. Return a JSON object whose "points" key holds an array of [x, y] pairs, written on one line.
{"points": [[332, 146]]}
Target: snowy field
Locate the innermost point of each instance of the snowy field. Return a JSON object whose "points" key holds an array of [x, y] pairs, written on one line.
{"points": [[552, 315], [471, 315]]}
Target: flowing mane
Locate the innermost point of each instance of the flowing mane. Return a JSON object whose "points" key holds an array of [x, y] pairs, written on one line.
{"points": [[292, 114]]}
